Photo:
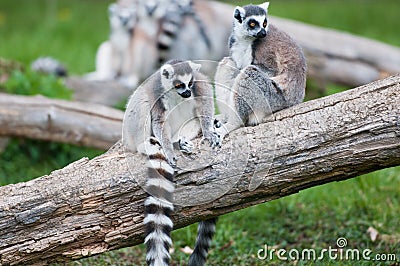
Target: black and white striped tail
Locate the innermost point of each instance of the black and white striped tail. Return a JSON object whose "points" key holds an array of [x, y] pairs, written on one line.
{"points": [[205, 233], [158, 206], [169, 29]]}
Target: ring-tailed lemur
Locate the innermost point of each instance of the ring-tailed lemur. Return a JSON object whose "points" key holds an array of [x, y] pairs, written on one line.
{"points": [[172, 17], [266, 72], [272, 72], [173, 106], [163, 105], [190, 29], [49, 65], [114, 57]]}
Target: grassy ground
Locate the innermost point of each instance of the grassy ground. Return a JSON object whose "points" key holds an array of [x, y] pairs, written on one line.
{"points": [[71, 30]]}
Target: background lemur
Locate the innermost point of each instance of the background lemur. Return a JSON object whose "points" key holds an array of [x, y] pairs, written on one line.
{"points": [[190, 29], [272, 72], [174, 105], [114, 57], [172, 18], [201, 32]]}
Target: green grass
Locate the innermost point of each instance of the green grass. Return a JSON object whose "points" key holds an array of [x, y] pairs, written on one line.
{"points": [[314, 218], [26, 159], [71, 30]]}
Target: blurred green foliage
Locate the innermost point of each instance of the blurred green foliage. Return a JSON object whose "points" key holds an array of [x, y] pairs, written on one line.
{"points": [[68, 30], [25, 159], [32, 83]]}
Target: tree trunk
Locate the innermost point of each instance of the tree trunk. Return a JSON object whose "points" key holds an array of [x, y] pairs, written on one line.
{"points": [[77, 123], [92, 206]]}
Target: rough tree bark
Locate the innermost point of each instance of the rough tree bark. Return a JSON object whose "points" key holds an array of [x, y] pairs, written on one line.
{"points": [[77, 123], [92, 206]]}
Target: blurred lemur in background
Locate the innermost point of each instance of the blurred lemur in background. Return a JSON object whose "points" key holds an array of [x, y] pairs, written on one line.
{"points": [[114, 57], [144, 34], [163, 30]]}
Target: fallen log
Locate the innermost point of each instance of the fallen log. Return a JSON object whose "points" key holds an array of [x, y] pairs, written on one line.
{"points": [[335, 56], [92, 206], [339, 57], [108, 93], [38, 117]]}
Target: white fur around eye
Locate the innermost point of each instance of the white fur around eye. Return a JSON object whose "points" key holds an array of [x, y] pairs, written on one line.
{"points": [[185, 79]]}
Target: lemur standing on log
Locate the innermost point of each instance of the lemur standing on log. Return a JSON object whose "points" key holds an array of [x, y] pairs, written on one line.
{"points": [[266, 70], [172, 106]]}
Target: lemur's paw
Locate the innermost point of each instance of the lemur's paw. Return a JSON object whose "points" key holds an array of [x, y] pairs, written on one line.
{"points": [[228, 61], [185, 145], [217, 123], [171, 158], [213, 138]]}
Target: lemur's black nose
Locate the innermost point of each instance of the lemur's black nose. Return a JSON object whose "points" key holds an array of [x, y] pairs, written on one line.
{"points": [[262, 33], [124, 20], [186, 94], [150, 9]]}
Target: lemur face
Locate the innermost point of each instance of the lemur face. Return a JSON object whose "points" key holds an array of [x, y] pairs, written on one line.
{"points": [[252, 20], [183, 85], [157, 8], [121, 17], [179, 77]]}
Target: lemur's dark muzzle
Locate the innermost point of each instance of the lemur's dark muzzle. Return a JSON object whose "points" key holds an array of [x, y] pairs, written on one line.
{"points": [[150, 9], [262, 33], [185, 93]]}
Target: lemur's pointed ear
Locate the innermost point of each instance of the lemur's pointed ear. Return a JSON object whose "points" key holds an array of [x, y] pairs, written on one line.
{"points": [[194, 66], [112, 8], [167, 71], [239, 14], [264, 6]]}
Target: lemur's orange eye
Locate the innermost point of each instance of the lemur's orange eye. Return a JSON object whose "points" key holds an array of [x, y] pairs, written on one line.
{"points": [[179, 86], [265, 24], [252, 24]]}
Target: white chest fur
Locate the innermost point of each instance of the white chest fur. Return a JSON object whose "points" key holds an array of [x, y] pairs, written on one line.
{"points": [[180, 112], [120, 39], [242, 53]]}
